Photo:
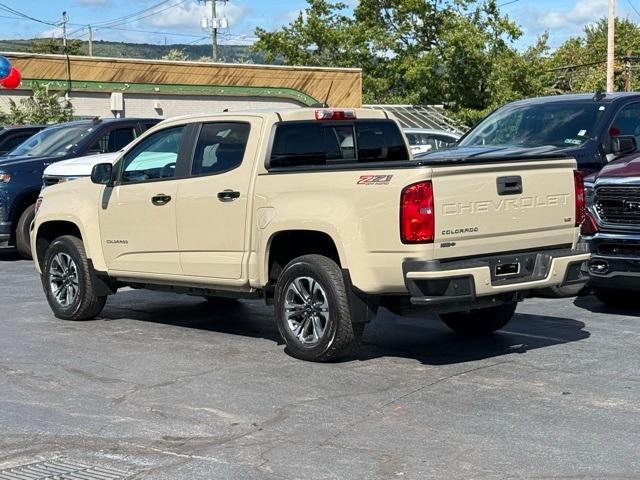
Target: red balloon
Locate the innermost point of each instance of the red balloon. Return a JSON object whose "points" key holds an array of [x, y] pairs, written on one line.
{"points": [[13, 80]]}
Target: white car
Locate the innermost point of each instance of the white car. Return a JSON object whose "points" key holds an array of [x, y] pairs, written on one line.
{"points": [[422, 140], [74, 168]]}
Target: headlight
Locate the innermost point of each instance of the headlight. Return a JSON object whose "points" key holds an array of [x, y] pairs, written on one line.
{"points": [[5, 177], [38, 203], [589, 192]]}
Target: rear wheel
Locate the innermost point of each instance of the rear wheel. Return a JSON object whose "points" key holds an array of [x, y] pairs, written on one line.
{"points": [[23, 240], [68, 281], [614, 298], [312, 310], [480, 322]]}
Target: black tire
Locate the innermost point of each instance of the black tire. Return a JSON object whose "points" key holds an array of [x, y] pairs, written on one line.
{"points": [[86, 304], [480, 322], [23, 240], [614, 298], [339, 335]]}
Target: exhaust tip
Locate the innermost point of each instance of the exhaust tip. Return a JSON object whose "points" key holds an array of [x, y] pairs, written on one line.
{"points": [[599, 267]]}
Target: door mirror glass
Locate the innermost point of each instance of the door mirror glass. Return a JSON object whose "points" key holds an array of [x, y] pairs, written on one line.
{"points": [[101, 173], [623, 145]]}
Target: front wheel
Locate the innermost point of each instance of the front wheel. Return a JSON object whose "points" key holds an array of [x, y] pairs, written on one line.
{"points": [[312, 310], [480, 322], [68, 281]]}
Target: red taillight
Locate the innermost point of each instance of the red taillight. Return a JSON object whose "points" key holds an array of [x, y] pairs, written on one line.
{"points": [[581, 208], [335, 115], [417, 223], [589, 227]]}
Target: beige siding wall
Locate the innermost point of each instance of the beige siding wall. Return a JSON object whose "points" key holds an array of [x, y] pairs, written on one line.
{"points": [[89, 104]]}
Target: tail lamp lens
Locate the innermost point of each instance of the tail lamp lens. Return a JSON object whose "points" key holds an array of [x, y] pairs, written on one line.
{"points": [[581, 208], [417, 223]]}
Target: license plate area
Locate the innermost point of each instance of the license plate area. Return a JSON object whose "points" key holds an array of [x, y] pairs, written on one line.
{"points": [[507, 269]]}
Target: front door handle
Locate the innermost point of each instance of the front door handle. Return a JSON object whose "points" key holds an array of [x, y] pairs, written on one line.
{"points": [[160, 199], [228, 195]]}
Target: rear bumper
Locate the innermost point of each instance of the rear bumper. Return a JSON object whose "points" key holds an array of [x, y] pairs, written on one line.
{"points": [[615, 261], [435, 283]]}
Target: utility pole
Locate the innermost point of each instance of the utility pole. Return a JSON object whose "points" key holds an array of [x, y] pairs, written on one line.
{"points": [[627, 67], [90, 41], [65, 20], [611, 32], [214, 32]]}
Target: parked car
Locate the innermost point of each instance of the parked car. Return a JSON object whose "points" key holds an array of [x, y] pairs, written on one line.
{"points": [[11, 137], [319, 211], [75, 168], [422, 140], [612, 230], [586, 127], [21, 169]]}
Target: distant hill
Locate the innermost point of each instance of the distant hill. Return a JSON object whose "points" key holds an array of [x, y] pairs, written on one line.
{"points": [[228, 53]]}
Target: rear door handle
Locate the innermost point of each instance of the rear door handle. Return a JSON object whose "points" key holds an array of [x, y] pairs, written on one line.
{"points": [[228, 195], [509, 185], [160, 199]]}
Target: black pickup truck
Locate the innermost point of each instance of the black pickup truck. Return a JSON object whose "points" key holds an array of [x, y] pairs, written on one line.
{"points": [[594, 129]]}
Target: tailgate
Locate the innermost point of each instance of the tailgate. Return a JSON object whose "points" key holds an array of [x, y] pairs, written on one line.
{"points": [[503, 206]]}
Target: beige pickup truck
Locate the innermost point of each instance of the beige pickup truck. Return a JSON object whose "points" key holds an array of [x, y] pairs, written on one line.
{"points": [[321, 212]]}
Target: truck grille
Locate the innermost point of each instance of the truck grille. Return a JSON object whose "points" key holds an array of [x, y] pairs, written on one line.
{"points": [[618, 205]]}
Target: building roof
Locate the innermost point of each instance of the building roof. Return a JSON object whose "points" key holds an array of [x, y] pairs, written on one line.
{"points": [[422, 116], [339, 87]]}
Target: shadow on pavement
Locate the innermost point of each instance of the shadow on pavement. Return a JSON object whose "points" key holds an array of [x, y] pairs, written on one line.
{"points": [[428, 340], [9, 255], [592, 304], [425, 339]]}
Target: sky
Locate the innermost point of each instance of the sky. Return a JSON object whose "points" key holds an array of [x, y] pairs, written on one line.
{"points": [[178, 21]]}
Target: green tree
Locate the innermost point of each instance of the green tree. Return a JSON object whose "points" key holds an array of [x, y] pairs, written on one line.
{"points": [[41, 107], [459, 53], [579, 62], [176, 54], [54, 45]]}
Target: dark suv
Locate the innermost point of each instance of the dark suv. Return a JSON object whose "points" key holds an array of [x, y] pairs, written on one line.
{"points": [[11, 137], [593, 129], [21, 169]]}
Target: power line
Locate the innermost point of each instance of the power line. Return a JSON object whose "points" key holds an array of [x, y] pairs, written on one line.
{"points": [[633, 7], [137, 18], [8, 9], [130, 15]]}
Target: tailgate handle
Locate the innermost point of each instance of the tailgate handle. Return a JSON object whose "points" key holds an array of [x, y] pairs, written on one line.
{"points": [[509, 185]]}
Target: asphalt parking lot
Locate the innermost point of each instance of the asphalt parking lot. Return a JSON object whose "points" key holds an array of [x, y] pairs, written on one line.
{"points": [[166, 387]]}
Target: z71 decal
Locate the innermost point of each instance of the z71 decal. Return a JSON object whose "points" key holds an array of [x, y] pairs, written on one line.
{"points": [[374, 180]]}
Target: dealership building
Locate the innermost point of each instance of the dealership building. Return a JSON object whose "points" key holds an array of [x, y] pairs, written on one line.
{"points": [[115, 87]]}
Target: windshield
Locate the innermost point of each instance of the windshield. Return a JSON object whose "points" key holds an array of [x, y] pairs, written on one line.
{"points": [[53, 141], [560, 124]]}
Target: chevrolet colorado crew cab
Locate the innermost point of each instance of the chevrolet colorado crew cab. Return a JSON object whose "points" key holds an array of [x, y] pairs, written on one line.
{"points": [[612, 231], [21, 169], [323, 213]]}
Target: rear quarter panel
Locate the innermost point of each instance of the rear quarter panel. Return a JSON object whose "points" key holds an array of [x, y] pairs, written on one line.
{"points": [[358, 209]]}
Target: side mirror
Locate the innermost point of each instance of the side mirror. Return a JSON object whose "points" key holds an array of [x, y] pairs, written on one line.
{"points": [[101, 173], [623, 144]]}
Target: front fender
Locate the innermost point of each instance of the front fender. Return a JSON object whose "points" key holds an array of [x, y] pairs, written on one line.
{"points": [[75, 202]]}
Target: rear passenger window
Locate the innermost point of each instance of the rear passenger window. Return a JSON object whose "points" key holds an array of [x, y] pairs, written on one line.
{"points": [[298, 144], [220, 147], [114, 140]]}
